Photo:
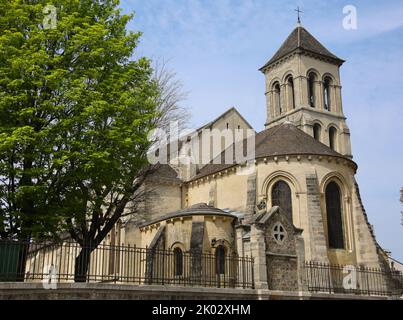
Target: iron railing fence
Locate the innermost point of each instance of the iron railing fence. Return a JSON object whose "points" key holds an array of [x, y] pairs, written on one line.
{"points": [[322, 277], [57, 262]]}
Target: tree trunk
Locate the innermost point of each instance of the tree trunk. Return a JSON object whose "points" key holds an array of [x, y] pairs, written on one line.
{"points": [[81, 264]]}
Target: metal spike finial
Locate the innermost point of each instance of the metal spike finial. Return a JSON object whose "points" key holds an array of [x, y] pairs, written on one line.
{"points": [[299, 17]]}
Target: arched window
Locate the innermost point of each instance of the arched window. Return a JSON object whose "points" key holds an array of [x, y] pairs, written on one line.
{"points": [[281, 197], [220, 259], [291, 94], [311, 89], [178, 260], [317, 130], [326, 93], [334, 217], [277, 99], [332, 138]]}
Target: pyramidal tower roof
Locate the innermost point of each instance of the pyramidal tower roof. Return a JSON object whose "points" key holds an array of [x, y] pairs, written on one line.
{"points": [[301, 39]]}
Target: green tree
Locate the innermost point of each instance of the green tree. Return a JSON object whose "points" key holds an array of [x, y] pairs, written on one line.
{"points": [[75, 113]]}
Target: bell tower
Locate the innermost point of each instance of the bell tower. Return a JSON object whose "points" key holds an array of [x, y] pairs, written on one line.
{"points": [[303, 87]]}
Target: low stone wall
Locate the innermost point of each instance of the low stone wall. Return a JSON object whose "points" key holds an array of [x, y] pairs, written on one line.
{"points": [[89, 291]]}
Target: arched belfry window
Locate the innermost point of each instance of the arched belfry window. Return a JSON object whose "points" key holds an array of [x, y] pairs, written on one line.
{"points": [[277, 99], [334, 216], [281, 197], [317, 131], [332, 138], [327, 93], [291, 92], [220, 259], [178, 261], [311, 89]]}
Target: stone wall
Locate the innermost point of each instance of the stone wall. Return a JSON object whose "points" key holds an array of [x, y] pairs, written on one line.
{"points": [[88, 291], [282, 272], [318, 244]]}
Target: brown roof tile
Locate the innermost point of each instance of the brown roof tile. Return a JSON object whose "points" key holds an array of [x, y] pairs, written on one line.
{"points": [[284, 139], [301, 39]]}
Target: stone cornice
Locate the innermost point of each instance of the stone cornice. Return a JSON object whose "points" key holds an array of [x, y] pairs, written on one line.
{"points": [[304, 52], [288, 158], [309, 109]]}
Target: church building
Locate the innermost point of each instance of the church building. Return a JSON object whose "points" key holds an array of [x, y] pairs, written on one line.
{"points": [[301, 201]]}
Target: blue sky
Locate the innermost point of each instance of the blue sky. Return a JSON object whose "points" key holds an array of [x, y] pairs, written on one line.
{"points": [[217, 46]]}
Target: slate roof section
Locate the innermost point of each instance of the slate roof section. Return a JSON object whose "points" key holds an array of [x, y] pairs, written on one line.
{"points": [[281, 140], [195, 210], [287, 139], [301, 39], [165, 172]]}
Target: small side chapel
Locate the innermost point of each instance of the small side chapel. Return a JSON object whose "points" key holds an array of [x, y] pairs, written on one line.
{"points": [[300, 203]]}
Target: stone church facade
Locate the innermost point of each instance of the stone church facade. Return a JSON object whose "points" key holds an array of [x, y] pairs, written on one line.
{"points": [[300, 202]]}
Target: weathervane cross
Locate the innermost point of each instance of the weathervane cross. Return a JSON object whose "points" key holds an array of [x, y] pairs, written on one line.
{"points": [[299, 11]]}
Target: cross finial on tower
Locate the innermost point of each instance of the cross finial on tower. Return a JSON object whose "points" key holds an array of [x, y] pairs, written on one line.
{"points": [[299, 17]]}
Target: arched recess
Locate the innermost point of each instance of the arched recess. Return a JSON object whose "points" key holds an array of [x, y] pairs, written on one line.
{"points": [[221, 250], [222, 242], [178, 245], [332, 124], [329, 75], [337, 176], [286, 75], [272, 178], [290, 91], [178, 250], [317, 132], [277, 103], [220, 255], [334, 216], [281, 196], [345, 207], [333, 138], [313, 77], [292, 182], [273, 81]]}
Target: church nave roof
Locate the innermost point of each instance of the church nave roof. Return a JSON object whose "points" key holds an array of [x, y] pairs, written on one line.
{"points": [[281, 140]]}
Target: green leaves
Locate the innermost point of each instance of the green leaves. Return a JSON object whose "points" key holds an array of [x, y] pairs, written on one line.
{"points": [[75, 111]]}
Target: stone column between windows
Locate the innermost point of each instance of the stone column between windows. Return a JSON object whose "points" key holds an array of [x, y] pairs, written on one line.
{"points": [[301, 91], [270, 105], [338, 103], [348, 224]]}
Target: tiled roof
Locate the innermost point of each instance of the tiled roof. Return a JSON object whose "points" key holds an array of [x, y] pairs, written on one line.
{"points": [[197, 209], [284, 139], [301, 39], [165, 172]]}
